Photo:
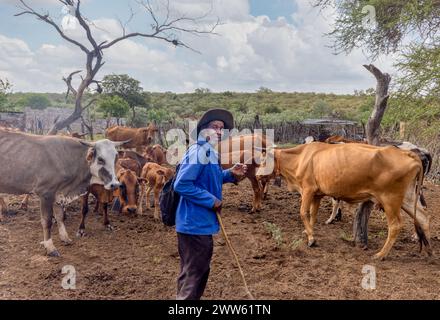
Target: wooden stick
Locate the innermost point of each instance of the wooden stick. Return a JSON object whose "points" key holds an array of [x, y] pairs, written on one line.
{"points": [[234, 254]]}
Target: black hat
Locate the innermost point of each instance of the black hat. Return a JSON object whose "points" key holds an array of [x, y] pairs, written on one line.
{"points": [[216, 114]]}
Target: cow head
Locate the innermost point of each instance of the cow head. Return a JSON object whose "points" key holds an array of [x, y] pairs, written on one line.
{"points": [[267, 167], [128, 192], [148, 134], [101, 157]]}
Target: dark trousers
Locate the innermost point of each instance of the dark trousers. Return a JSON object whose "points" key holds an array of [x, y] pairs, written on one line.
{"points": [[195, 260]]}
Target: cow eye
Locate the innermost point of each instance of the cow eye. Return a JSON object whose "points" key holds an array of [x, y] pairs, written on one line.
{"points": [[101, 161]]}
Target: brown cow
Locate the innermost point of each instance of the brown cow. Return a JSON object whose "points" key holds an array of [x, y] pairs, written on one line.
{"points": [[156, 153], [139, 137], [422, 153], [128, 193], [385, 175], [341, 139], [130, 164], [155, 177], [103, 198], [133, 155], [246, 149]]}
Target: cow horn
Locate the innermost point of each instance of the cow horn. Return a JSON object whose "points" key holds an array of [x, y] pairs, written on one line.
{"points": [[87, 143], [120, 143]]}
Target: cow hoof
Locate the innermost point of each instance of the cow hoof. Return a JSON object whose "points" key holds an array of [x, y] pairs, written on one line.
{"points": [[109, 227], [67, 242], [81, 233], [54, 254], [415, 237], [311, 243], [379, 257]]}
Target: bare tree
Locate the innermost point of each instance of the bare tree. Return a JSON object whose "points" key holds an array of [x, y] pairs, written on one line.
{"points": [[360, 224], [166, 29]]}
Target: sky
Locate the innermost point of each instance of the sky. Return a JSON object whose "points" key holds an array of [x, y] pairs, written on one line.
{"points": [[278, 44]]}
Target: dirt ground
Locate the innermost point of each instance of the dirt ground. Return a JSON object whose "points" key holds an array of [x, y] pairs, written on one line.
{"points": [[139, 259]]}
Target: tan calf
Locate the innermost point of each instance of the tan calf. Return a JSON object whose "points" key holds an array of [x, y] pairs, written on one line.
{"points": [[155, 177]]}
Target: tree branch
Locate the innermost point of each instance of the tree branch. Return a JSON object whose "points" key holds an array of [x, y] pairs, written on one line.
{"points": [[68, 82], [46, 18]]}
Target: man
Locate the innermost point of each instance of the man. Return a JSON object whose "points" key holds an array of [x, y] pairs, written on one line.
{"points": [[199, 182]]}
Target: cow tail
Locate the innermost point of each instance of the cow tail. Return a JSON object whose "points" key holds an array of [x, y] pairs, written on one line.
{"points": [[420, 233]]}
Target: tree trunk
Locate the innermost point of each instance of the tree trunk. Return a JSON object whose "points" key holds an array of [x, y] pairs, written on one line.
{"points": [[60, 124], [134, 115], [360, 223]]}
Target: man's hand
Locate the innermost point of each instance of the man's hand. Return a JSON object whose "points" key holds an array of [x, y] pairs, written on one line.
{"points": [[217, 205], [239, 169]]}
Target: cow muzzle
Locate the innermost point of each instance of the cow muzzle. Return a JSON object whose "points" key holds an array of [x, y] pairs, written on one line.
{"points": [[112, 185]]}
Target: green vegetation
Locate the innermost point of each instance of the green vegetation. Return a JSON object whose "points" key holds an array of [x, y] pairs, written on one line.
{"points": [[113, 106], [275, 233], [128, 89], [409, 28]]}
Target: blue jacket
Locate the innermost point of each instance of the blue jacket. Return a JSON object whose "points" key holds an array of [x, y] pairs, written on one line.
{"points": [[199, 182]]}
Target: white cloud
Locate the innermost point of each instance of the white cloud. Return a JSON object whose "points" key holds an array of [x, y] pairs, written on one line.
{"points": [[249, 52]]}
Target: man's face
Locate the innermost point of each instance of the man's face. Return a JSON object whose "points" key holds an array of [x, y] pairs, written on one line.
{"points": [[215, 131]]}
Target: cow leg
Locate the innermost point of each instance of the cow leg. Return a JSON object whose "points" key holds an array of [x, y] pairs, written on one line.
{"points": [[96, 210], [59, 216], [156, 202], [256, 204], [394, 220], [24, 202], [422, 230], [107, 224], [147, 197], [336, 204], [85, 209], [314, 206], [265, 189], [4, 208], [306, 201], [141, 199], [46, 207]]}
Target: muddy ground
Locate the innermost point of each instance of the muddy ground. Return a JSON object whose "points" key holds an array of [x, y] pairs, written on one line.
{"points": [[139, 259]]}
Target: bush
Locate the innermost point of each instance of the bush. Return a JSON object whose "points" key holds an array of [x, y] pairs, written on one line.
{"points": [[113, 106]]}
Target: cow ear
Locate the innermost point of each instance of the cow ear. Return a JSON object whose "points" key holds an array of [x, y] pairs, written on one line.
{"points": [[91, 154], [142, 180], [120, 173]]}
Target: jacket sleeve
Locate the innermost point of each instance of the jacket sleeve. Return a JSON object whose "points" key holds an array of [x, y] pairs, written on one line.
{"points": [[228, 176], [184, 185]]}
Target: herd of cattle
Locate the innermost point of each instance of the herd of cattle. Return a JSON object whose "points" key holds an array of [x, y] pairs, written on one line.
{"points": [[60, 169]]}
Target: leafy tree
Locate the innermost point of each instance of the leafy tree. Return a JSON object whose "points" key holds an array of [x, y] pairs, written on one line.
{"points": [[321, 109], [272, 109], [36, 101], [157, 115], [264, 90], [202, 91], [113, 106], [5, 89], [410, 28], [128, 89]]}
